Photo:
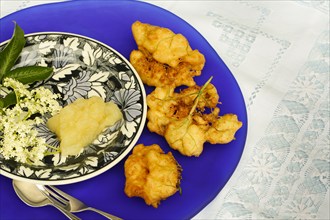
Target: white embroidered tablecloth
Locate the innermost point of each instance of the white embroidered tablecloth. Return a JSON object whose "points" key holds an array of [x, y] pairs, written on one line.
{"points": [[279, 53]]}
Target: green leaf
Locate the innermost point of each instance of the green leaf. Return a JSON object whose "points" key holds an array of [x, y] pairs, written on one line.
{"points": [[30, 74], [11, 52], [8, 100]]}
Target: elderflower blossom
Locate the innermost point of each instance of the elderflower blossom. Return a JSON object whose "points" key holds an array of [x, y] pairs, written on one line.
{"points": [[18, 137]]}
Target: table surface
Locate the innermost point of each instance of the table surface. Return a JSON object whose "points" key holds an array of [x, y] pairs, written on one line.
{"points": [[278, 52]]}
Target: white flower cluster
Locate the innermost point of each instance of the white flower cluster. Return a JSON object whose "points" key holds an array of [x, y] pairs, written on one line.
{"points": [[19, 139]]}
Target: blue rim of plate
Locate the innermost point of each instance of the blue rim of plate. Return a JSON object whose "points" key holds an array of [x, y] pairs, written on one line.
{"points": [[203, 177], [83, 67]]}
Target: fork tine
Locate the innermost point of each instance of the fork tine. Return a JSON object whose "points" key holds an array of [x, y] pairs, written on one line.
{"points": [[55, 195], [62, 194], [75, 205], [56, 203]]}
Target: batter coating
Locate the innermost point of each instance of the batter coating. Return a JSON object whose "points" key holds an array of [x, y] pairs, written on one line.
{"points": [[163, 57], [151, 174], [181, 118]]}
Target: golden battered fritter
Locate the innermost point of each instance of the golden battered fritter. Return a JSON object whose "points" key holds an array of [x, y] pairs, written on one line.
{"points": [[188, 135], [165, 105], [163, 57], [154, 73], [180, 118], [151, 174], [165, 60]]}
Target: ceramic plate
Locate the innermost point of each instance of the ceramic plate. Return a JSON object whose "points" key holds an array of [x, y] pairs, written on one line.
{"points": [[83, 68], [203, 177]]}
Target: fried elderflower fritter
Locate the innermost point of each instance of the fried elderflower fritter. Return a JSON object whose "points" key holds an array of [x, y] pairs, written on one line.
{"points": [[163, 57], [151, 174], [180, 118], [165, 105], [188, 135]]}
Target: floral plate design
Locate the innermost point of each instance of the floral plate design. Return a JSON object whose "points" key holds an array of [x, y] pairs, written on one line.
{"points": [[83, 68]]}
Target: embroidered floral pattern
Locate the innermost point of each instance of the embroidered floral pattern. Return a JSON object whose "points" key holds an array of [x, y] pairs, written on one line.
{"points": [[299, 128]]}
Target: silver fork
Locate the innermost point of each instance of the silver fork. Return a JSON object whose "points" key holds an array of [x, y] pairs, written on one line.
{"points": [[70, 203]]}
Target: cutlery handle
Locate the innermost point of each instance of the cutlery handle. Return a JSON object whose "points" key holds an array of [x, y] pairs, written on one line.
{"points": [[107, 215], [67, 213]]}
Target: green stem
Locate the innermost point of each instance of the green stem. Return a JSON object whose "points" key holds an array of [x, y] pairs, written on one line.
{"points": [[17, 96], [52, 147], [27, 115], [56, 150], [199, 95]]}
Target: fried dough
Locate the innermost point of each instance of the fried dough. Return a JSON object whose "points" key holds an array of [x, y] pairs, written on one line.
{"points": [[151, 174], [182, 121], [163, 57], [165, 105], [165, 60]]}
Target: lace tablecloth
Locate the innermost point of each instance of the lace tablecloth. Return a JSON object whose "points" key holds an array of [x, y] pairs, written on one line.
{"points": [[279, 53]]}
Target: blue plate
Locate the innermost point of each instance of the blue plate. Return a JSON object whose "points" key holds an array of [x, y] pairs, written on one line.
{"points": [[110, 22]]}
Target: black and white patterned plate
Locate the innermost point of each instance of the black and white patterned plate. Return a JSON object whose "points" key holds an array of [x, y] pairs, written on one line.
{"points": [[83, 67]]}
